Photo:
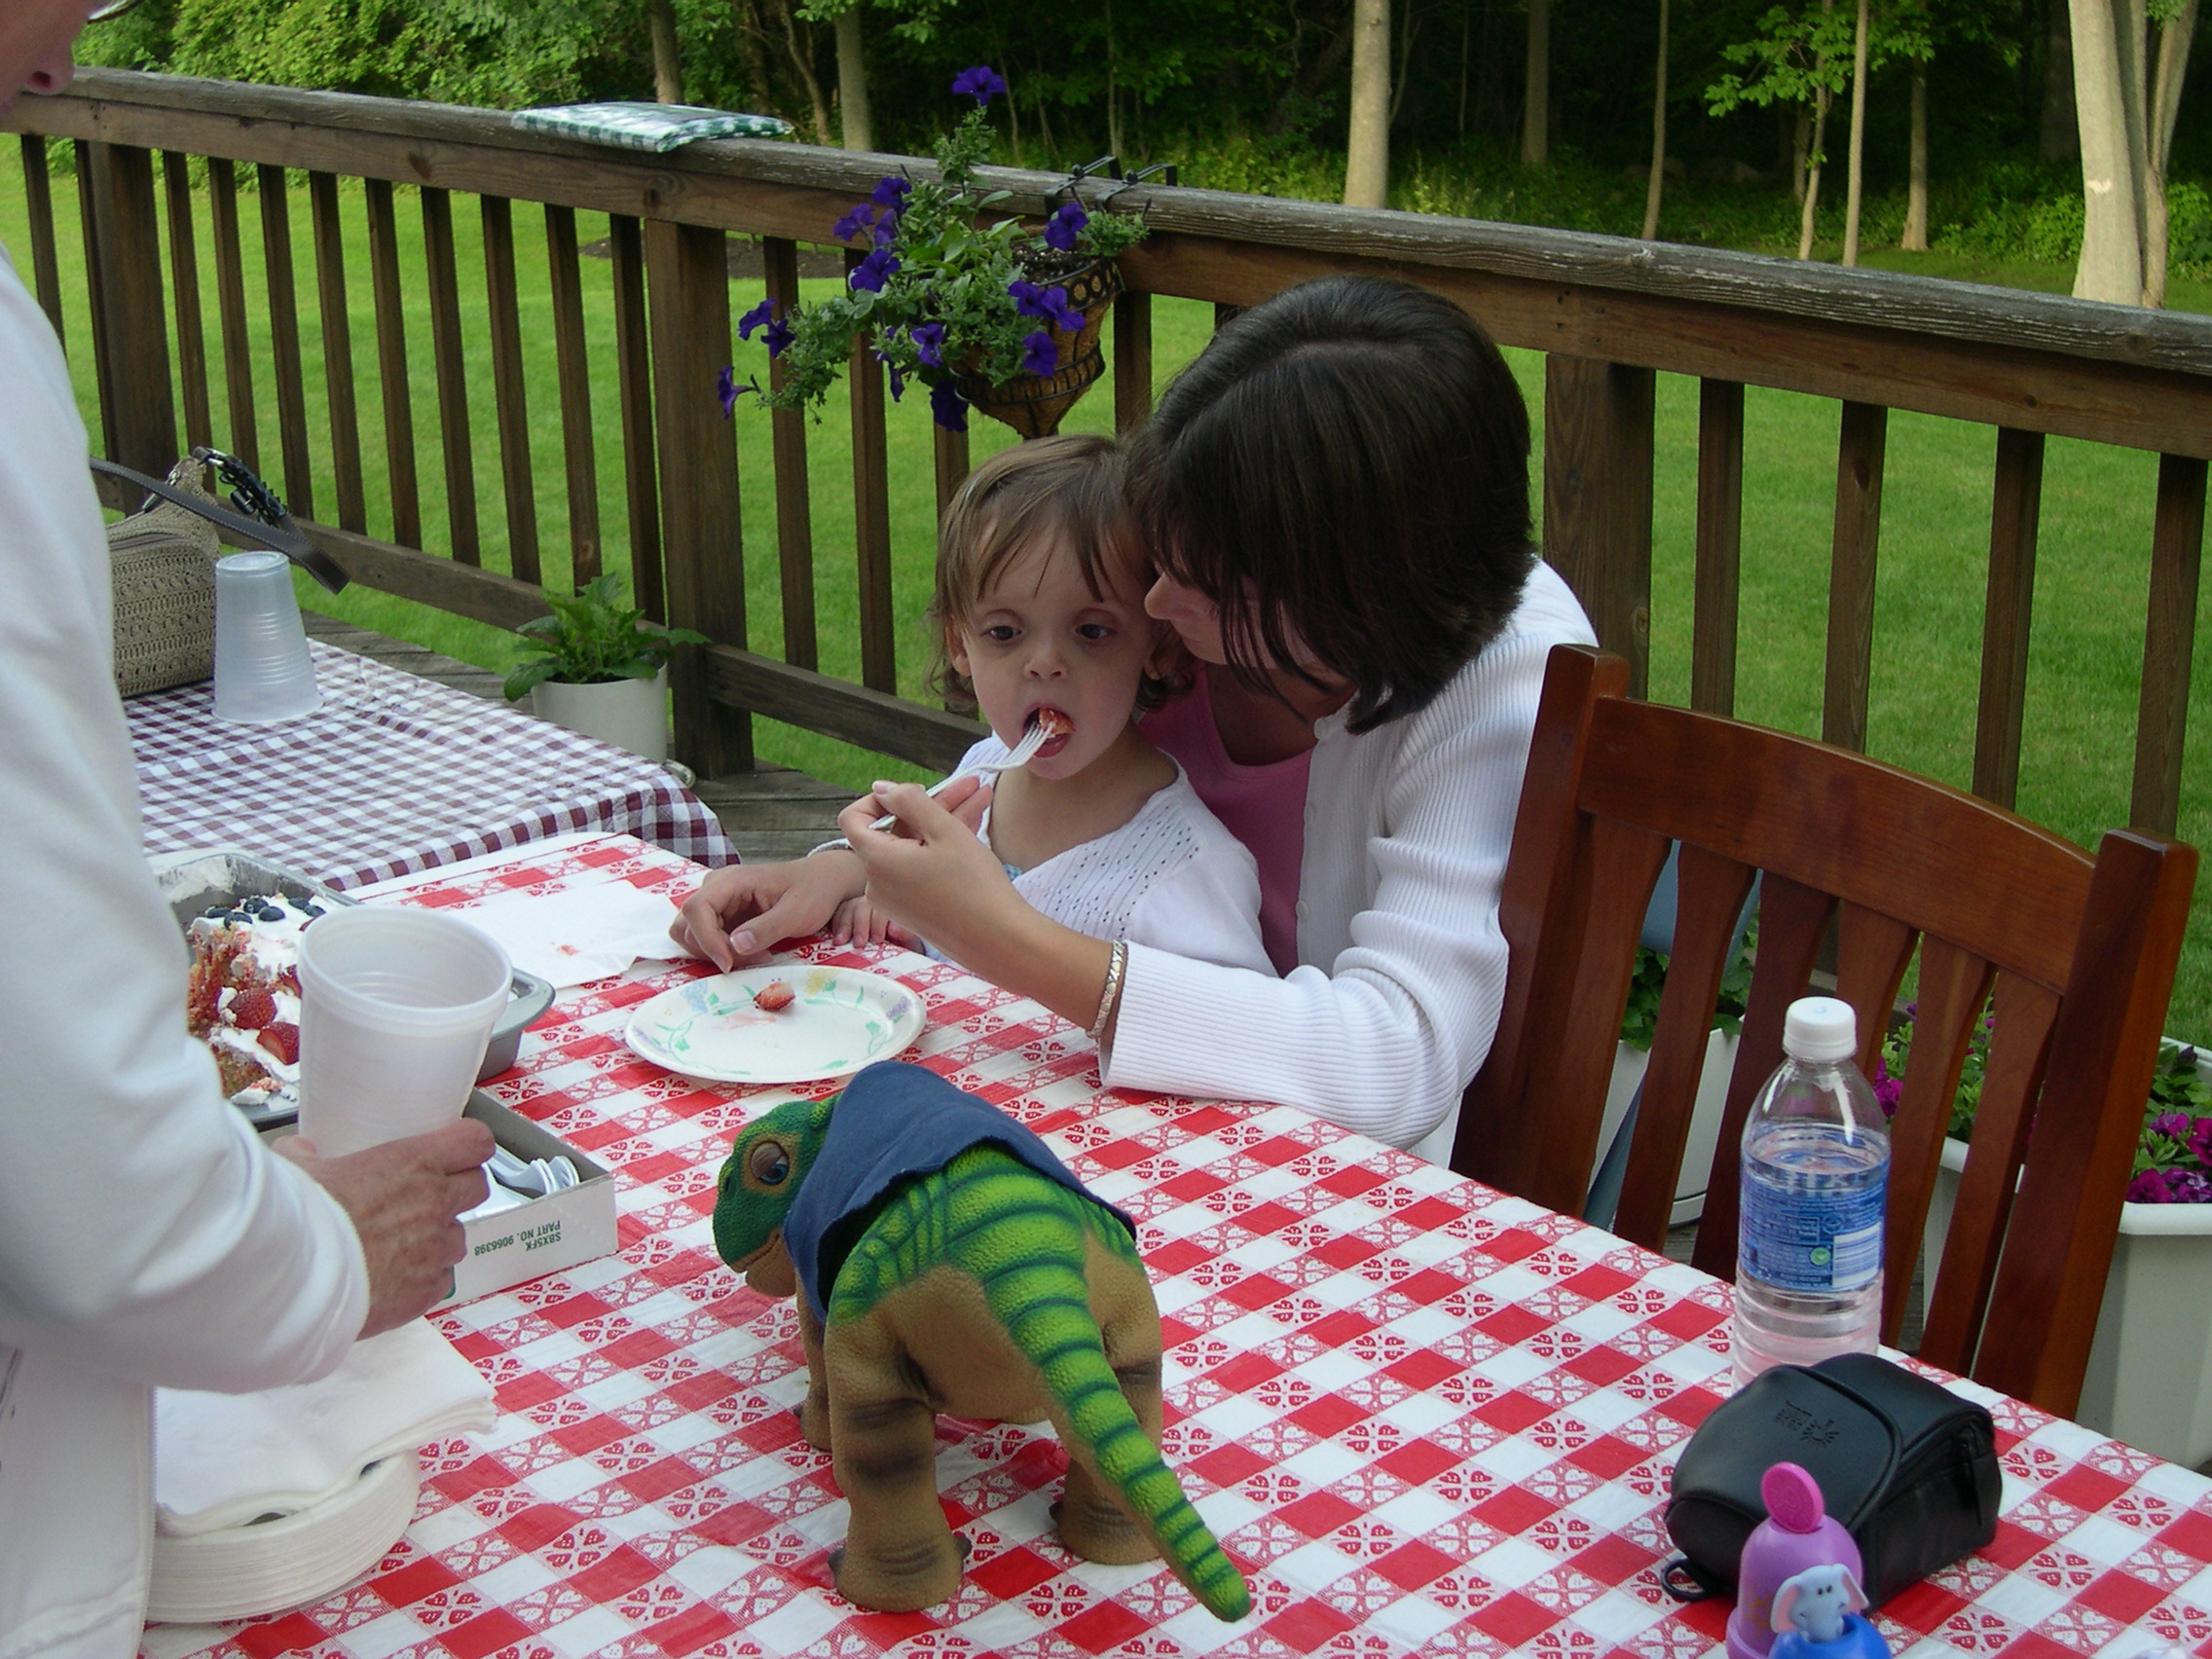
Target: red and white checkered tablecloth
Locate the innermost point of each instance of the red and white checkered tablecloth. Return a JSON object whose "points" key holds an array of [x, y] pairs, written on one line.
{"points": [[1424, 1417], [393, 775]]}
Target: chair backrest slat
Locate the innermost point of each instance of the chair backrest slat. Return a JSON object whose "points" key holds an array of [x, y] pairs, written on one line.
{"points": [[2020, 1050], [1871, 954], [1711, 891]]}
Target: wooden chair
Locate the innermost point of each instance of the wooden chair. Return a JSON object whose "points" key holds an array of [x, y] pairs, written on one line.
{"points": [[2079, 953]]}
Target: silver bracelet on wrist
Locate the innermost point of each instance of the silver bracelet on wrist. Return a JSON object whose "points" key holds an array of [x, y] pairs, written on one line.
{"points": [[1110, 998], [840, 844]]}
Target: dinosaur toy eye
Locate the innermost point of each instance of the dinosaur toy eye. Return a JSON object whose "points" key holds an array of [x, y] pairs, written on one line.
{"points": [[768, 1165]]}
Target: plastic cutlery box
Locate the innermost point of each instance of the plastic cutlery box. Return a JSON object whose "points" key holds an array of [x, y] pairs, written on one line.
{"points": [[546, 1234]]}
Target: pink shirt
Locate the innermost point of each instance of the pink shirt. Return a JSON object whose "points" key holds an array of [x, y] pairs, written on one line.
{"points": [[1262, 806]]}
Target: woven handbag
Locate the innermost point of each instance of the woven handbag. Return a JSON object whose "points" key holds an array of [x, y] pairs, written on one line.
{"points": [[162, 560]]}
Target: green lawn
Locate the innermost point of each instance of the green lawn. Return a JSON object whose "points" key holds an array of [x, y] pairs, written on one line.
{"points": [[2092, 569]]}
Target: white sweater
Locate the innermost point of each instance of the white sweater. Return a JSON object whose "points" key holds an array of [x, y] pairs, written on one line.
{"points": [[145, 1236], [1171, 876], [1401, 965]]}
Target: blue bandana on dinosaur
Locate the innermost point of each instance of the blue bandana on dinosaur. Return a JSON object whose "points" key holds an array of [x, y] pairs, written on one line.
{"points": [[895, 1121]]}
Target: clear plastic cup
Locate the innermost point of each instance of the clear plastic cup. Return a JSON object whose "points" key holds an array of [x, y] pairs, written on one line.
{"points": [[395, 1008], [263, 671]]}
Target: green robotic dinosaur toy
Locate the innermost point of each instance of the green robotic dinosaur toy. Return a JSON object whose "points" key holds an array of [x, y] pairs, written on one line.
{"points": [[946, 1261]]}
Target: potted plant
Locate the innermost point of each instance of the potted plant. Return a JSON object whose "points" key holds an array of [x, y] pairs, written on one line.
{"points": [[1000, 317], [2149, 1373], [601, 668]]}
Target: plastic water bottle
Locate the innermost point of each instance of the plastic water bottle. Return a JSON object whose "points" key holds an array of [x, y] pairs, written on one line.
{"points": [[1816, 1177]]}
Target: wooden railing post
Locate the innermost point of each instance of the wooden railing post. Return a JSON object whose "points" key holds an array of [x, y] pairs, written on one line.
{"points": [[137, 391], [1719, 545], [634, 391], [2015, 511], [701, 532], [872, 514], [2169, 640], [1859, 453], [1598, 438], [1132, 363], [795, 506]]}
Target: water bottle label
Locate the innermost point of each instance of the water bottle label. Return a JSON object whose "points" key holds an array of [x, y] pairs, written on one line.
{"points": [[1797, 1237]]}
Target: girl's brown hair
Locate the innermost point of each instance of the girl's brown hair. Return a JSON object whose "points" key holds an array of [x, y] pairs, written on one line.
{"points": [[1075, 487], [1343, 471]]}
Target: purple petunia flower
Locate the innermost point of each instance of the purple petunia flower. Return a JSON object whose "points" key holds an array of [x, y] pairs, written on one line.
{"points": [[2201, 1142], [948, 408], [1037, 356], [2149, 1187], [2188, 1187], [886, 230], [889, 194], [1888, 1089], [727, 389], [1064, 225], [981, 83], [868, 275], [763, 316], [1048, 305], [853, 223], [929, 343], [2175, 1126]]}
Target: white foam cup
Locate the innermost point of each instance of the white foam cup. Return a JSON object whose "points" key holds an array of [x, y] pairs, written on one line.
{"points": [[397, 1006], [263, 671]]}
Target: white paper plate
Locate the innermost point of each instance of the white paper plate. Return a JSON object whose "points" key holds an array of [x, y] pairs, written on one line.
{"points": [[839, 1020]]}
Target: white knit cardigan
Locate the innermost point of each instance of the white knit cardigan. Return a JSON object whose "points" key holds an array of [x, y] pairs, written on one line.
{"points": [[1401, 965]]}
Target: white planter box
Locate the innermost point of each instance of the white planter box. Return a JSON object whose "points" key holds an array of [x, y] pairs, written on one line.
{"points": [[630, 713], [1705, 1117], [2149, 1376]]}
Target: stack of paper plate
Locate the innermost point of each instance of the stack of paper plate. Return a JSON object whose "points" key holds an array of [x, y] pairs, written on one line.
{"points": [[238, 1571]]}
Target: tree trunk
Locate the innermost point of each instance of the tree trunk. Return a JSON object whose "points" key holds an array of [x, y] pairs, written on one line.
{"points": [[1406, 37], [1813, 158], [668, 64], [1537, 88], [1657, 183], [1800, 152], [749, 35], [2109, 42], [1915, 240], [800, 49], [2061, 138], [2174, 37], [1855, 180], [857, 118], [1367, 151], [1466, 26]]}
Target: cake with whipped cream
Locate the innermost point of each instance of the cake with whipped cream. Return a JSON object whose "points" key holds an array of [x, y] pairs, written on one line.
{"points": [[242, 998]]}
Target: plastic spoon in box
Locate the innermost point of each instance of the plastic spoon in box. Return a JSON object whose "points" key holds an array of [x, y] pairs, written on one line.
{"points": [[1039, 733]]}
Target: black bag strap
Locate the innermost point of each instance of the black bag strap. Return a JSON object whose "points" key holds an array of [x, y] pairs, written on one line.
{"points": [[270, 525]]}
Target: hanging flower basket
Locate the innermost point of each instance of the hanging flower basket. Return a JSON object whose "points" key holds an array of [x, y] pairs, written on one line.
{"points": [[1034, 405], [999, 315]]}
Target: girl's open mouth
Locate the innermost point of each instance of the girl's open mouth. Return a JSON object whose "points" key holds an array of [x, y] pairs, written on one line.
{"points": [[1058, 728]]}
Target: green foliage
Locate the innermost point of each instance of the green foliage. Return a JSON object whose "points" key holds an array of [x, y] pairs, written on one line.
{"points": [[949, 277], [593, 639], [1792, 59]]}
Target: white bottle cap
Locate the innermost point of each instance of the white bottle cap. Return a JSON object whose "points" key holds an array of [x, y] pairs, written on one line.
{"points": [[1820, 1030]]}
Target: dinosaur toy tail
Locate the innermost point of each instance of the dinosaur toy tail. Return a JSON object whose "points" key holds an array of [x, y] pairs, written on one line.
{"points": [[1047, 1310]]}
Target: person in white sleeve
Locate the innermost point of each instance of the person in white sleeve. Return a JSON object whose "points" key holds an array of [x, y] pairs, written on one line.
{"points": [[146, 1237], [1040, 581], [1337, 492]]}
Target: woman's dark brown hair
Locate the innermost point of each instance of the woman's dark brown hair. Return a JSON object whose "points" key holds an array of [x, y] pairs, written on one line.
{"points": [[1074, 486], [1344, 472]]}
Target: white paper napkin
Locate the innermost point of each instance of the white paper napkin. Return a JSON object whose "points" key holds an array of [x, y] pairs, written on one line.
{"points": [[223, 1460], [582, 934]]}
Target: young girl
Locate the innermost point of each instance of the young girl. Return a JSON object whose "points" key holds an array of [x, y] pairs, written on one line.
{"points": [[1039, 595]]}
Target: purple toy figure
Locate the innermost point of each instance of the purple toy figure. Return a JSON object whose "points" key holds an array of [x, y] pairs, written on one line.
{"points": [[1796, 1534], [1817, 1616]]}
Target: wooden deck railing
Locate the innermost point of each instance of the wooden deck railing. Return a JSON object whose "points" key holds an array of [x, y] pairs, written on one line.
{"points": [[1608, 312]]}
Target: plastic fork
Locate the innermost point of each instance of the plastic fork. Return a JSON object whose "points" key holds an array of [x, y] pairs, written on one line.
{"points": [[1022, 753]]}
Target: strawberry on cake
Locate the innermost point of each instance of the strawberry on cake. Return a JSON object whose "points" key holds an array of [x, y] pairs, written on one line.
{"points": [[243, 994]]}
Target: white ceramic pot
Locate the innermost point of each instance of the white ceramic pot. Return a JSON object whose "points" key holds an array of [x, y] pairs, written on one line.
{"points": [[1705, 1118], [630, 713], [2149, 1376]]}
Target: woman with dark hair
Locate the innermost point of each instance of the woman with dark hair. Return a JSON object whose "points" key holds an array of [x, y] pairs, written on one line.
{"points": [[1337, 494]]}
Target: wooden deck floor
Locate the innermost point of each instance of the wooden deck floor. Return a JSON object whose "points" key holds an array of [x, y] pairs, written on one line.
{"points": [[769, 814]]}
